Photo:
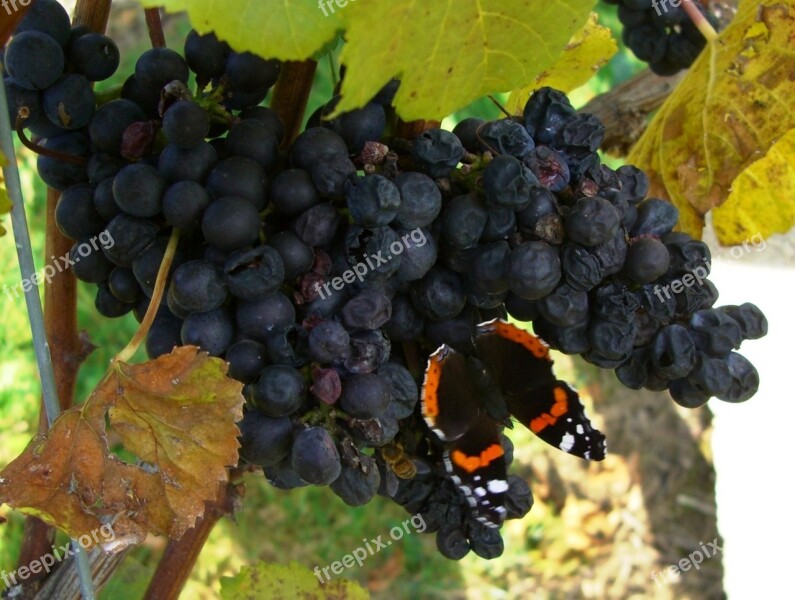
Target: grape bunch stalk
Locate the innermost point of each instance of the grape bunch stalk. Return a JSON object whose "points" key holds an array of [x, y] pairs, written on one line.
{"points": [[514, 217]]}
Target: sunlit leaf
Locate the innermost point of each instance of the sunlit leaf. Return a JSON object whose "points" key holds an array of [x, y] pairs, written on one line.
{"points": [[283, 29], [447, 53], [588, 51]]}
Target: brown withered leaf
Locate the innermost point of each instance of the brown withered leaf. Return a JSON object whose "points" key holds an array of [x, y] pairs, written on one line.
{"points": [[177, 414]]}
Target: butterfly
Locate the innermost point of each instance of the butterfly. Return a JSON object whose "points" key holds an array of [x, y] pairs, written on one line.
{"points": [[466, 399]]}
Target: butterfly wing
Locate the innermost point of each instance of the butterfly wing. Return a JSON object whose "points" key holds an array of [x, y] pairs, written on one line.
{"points": [[554, 412], [522, 367], [449, 403], [476, 464]]}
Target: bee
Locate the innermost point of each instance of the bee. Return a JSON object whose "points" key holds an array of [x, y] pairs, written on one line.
{"points": [[397, 460]]}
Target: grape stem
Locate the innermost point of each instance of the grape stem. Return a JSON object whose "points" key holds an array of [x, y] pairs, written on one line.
{"points": [[155, 26], [491, 148], [180, 555], [22, 116], [154, 305], [499, 105], [291, 95], [700, 21]]}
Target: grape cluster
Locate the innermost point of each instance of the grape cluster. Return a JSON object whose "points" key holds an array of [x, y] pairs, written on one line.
{"points": [[49, 69], [326, 270], [661, 33]]}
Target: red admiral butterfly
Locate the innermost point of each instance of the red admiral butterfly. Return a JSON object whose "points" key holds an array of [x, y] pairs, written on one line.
{"points": [[465, 399]]}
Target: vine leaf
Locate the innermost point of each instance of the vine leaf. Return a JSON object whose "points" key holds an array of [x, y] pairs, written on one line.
{"points": [[287, 30], [762, 200], [266, 580], [588, 51], [448, 53], [177, 414], [732, 106]]}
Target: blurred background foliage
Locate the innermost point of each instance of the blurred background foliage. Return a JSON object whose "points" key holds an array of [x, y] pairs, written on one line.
{"points": [[309, 525]]}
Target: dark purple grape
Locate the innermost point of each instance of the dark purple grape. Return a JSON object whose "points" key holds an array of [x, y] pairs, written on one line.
{"points": [[315, 457], [279, 391], [264, 441], [365, 396]]}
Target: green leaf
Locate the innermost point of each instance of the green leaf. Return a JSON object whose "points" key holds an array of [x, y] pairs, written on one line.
{"points": [[283, 29], [587, 52], [447, 53], [266, 581]]}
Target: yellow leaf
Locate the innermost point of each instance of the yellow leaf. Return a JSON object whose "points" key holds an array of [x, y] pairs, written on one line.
{"points": [[450, 52], [762, 200], [176, 413], [588, 51], [5, 204], [733, 104], [283, 29], [267, 581]]}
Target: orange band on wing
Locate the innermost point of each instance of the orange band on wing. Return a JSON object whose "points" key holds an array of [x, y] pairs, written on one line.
{"points": [[471, 464], [560, 408], [430, 400], [430, 387], [509, 331]]}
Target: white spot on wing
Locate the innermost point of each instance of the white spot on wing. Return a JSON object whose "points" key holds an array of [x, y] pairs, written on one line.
{"points": [[567, 443], [497, 486]]}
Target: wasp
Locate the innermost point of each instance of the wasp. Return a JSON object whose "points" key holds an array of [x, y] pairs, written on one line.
{"points": [[397, 460]]}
